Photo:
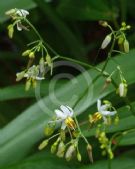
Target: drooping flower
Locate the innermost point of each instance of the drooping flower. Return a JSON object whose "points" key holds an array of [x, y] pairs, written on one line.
{"points": [[65, 115], [104, 110]]}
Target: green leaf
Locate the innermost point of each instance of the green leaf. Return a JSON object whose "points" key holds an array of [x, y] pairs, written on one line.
{"points": [[43, 160], [86, 10], [128, 139], [19, 136], [18, 91]]}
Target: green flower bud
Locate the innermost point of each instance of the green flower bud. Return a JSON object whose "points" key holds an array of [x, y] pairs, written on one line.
{"points": [[26, 53], [61, 149], [48, 60], [54, 146], [79, 157], [43, 144], [28, 84], [126, 46], [20, 76], [106, 41], [10, 31], [31, 55], [48, 131], [120, 40]]}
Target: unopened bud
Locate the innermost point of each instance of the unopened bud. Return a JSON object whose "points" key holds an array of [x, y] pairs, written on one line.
{"points": [[10, 31], [79, 157], [106, 41], [31, 55], [28, 85], [122, 90], [126, 46], [43, 144], [20, 76], [61, 149], [26, 53], [103, 23], [54, 146], [89, 150], [70, 152], [120, 40], [48, 131], [10, 12]]}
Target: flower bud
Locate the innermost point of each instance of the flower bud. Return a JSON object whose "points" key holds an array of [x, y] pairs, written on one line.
{"points": [[103, 23], [28, 85], [20, 76], [122, 90], [61, 149], [48, 60], [10, 31], [79, 157], [54, 146], [120, 40], [26, 53], [106, 41], [31, 55], [126, 46], [48, 131], [43, 144], [89, 150], [42, 65], [10, 12], [70, 152]]}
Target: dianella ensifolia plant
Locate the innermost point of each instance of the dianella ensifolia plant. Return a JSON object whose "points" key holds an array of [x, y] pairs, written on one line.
{"points": [[105, 115]]}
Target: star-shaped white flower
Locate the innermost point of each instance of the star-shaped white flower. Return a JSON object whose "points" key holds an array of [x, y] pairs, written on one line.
{"points": [[103, 110], [22, 12], [64, 113]]}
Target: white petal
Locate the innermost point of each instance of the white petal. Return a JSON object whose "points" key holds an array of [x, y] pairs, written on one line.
{"points": [[60, 114], [63, 126], [71, 111], [40, 78], [104, 107], [19, 28], [65, 110], [98, 104], [22, 12], [108, 113]]}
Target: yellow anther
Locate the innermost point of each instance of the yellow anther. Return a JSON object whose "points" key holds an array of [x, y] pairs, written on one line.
{"points": [[70, 123]]}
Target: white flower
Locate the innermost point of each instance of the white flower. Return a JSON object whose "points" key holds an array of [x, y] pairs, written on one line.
{"points": [[22, 12], [103, 110], [106, 41], [64, 113]]}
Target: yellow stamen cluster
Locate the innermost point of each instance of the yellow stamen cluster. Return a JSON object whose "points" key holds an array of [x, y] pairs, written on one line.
{"points": [[70, 123], [95, 117]]}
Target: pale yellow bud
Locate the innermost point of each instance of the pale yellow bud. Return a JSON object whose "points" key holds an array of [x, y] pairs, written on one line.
{"points": [[31, 55], [20, 76], [61, 149], [126, 46], [28, 85], [43, 144], [10, 12], [122, 90], [79, 157], [103, 23], [70, 152], [89, 150], [10, 31], [26, 53], [106, 41]]}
